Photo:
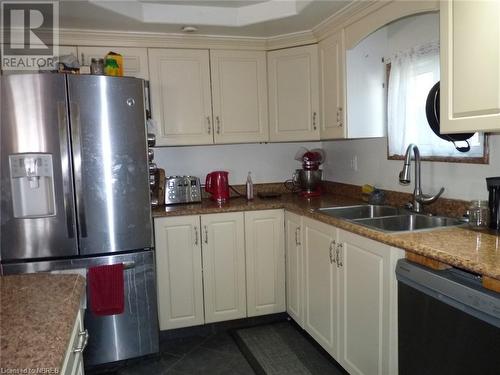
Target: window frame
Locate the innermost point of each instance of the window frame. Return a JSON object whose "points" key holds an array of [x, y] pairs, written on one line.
{"points": [[485, 159]]}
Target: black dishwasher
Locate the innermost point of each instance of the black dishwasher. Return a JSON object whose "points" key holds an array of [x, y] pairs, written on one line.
{"points": [[448, 323]]}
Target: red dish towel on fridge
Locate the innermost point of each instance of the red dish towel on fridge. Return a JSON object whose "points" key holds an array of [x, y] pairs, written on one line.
{"points": [[106, 289]]}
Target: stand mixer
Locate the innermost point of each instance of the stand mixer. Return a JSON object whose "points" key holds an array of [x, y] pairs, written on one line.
{"points": [[307, 180]]}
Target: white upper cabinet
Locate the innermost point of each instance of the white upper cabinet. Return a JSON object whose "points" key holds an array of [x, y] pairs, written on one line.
{"points": [[224, 280], [332, 87], [180, 96], [239, 94], [265, 262], [470, 61], [135, 60], [293, 80]]}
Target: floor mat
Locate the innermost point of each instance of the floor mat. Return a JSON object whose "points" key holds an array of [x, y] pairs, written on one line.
{"points": [[280, 348]]}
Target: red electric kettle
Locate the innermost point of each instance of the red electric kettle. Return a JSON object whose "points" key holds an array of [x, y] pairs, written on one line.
{"points": [[217, 184]]}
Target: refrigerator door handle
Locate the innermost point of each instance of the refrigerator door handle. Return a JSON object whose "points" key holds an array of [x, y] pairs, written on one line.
{"points": [[66, 167], [77, 162]]}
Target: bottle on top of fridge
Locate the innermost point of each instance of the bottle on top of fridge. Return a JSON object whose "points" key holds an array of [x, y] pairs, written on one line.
{"points": [[249, 187]]}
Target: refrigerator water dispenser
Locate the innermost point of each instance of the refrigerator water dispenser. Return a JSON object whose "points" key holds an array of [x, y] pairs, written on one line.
{"points": [[32, 181]]}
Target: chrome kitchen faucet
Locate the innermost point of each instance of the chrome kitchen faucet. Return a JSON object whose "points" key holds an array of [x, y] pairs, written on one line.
{"points": [[419, 199]]}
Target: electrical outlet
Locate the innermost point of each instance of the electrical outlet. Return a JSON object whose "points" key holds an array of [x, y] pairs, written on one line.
{"points": [[353, 163]]}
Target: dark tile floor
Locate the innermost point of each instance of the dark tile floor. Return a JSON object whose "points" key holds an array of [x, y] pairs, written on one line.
{"points": [[215, 353]]}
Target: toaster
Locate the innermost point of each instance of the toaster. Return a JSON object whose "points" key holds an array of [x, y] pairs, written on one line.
{"points": [[182, 189]]}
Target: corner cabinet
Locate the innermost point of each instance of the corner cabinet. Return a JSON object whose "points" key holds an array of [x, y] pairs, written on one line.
{"points": [[239, 94], [293, 80], [180, 96], [332, 87], [265, 262], [470, 60]]}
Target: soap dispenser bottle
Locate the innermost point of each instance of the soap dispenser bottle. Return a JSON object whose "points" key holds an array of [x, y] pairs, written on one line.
{"points": [[249, 187]]}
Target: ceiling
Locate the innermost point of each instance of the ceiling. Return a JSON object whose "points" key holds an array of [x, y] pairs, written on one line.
{"points": [[250, 18]]}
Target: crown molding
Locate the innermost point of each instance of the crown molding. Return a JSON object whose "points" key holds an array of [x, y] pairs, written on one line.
{"points": [[351, 13], [290, 40], [82, 37]]}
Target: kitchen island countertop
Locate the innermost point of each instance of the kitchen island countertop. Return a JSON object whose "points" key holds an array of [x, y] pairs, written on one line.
{"points": [[37, 314], [475, 251]]}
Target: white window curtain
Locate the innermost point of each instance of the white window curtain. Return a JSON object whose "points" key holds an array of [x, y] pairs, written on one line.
{"points": [[413, 73]]}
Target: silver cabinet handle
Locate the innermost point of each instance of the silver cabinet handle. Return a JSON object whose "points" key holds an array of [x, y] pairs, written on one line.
{"points": [[297, 236], [209, 125], [314, 120], [338, 250], [218, 124], [339, 117], [85, 335], [196, 236], [206, 233], [332, 258]]}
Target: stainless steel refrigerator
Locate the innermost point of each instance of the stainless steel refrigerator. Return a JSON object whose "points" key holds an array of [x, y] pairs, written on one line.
{"points": [[75, 194]]}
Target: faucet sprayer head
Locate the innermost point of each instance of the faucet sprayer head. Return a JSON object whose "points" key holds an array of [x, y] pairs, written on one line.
{"points": [[404, 175]]}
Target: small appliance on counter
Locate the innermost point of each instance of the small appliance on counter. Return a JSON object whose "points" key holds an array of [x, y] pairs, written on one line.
{"points": [[182, 189], [306, 181], [493, 184], [217, 184]]}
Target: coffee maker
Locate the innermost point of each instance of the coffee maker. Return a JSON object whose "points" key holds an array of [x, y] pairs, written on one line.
{"points": [[307, 181], [493, 184]]}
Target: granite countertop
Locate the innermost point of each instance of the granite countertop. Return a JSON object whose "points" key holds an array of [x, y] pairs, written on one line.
{"points": [[37, 315], [461, 247]]}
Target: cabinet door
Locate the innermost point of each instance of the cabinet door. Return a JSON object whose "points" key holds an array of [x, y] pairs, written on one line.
{"points": [[239, 93], [135, 60], [321, 284], [293, 80], [332, 93], [294, 268], [180, 96], [224, 266], [470, 60], [365, 304], [178, 271], [265, 262]]}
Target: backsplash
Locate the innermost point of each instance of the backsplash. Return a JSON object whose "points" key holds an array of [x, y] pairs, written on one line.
{"points": [[364, 161]]}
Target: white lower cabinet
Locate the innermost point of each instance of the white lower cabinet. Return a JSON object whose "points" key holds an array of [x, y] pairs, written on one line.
{"points": [[366, 298], [206, 264], [294, 267], [179, 272], [73, 359], [224, 266], [350, 294], [320, 285], [265, 262]]}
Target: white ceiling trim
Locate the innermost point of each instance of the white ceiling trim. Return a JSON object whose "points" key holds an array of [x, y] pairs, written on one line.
{"points": [[206, 15]]}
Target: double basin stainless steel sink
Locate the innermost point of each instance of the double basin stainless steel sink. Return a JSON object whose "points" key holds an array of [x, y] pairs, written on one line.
{"points": [[389, 219]]}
